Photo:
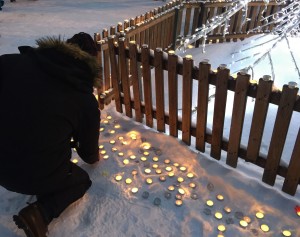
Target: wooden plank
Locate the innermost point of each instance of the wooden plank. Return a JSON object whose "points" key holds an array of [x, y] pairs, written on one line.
{"points": [[178, 30], [293, 175], [281, 126], [219, 112], [202, 104], [187, 93], [159, 89], [115, 73], [107, 79], [268, 13], [147, 85], [237, 121], [253, 17], [173, 93], [275, 9], [261, 106], [124, 77], [135, 81], [238, 22], [187, 21], [246, 24], [258, 23], [195, 19]]}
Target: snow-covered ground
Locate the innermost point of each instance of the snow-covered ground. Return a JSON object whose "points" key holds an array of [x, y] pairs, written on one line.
{"points": [[110, 208]]}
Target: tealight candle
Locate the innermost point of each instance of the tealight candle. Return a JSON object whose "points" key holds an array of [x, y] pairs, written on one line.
{"points": [[125, 161], [75, 161], [143, 158], [103, 152], [264, 228], [105, 157], [158, 171], [167, 161], [128, 181], [109, 117], [218, 215], [101, 129], [112, 141], [105, 121], [169, 168], [155, 166], [118, 177], [243, 223], [192, 185], [134, 172], [247, 219], [227, 210], [149, 181], [183, 168], [155, 158], [220, 197], [259, 215], [176, 164], [171, 174], [133, 137], [101, 147], [120, 138], [190, 175], [147, 171], [178, 197], [181, 191], [132, 157], [124, 142], [114, 149], [221, 228], [286, 233], [112, 131], [209, 203], [178, 202], [146, 153], [134, 190], [146, 146], [117, 126], [162, 178], [171, 188], [120, 154], [180, 179]]}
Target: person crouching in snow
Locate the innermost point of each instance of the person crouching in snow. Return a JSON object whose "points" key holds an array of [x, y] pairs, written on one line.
{"points": [[46, 99]]}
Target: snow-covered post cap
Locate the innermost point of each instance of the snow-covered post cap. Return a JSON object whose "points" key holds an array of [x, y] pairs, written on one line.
{"points": [[266, 77], [292, 84], [188, 57], [222, 66], [243, 71], [205, 61]]}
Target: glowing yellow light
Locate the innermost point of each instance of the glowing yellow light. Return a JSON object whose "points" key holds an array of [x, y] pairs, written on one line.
{"points": [[103, 152], [118, 177], [218, 215], [220, 197], [171, 174], [147, 171], [134, 190], [171, 188], [105, 157], [183, 168], [247, 219], [181, 191], [243, 223], [109, 117], [155, 158], [132, 157], [114, 149], [117, 126], [146, 153], [124, 142], [158, 171], [180, 179], [264, 228], [112, 141], [146, 145], [101, 147], [220, 235], [112, 131], [133, 137], [128, 181], [259, 215], [209, 203], [190, 175], [167, 161], [176, 164], [105, 121], [143, 158], [155, 166], [192, 185], [227, 209], [149, 181], [134, 172], [120, 154], [75, 161], [178, 202], [101, 129], [286, 233], [120, 138], [221, 228], [125, 161], [168, 168], [162, 178]]}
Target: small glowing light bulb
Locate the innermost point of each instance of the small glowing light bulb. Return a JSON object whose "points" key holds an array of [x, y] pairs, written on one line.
{"points": [[243, 223], [221, 228], [209, 203], [286, 233], [118, 177], [259, 215], [264, 228], [218, 215], [128, 181]]}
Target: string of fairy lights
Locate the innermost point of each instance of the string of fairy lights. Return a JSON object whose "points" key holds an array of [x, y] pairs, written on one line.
{"points": [[285, 23]]}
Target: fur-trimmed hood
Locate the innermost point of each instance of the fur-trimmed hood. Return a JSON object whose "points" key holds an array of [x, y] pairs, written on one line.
{"points": [[63, 61]]}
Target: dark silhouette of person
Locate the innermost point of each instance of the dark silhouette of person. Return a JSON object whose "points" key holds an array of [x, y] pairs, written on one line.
{"points": [[46, 100]]}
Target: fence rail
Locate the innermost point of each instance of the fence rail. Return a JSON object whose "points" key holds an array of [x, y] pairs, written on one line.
{"points": [[125, 58]]}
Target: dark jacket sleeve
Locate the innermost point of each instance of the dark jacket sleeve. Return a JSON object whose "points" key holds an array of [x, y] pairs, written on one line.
{"points": [[86, 138]]}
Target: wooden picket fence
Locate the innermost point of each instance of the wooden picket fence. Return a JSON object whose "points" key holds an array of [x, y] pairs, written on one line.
{"points": [[135, 56]]}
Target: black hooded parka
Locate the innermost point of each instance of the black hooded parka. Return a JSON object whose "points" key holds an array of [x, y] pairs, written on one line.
{"points": [[46, 98]]}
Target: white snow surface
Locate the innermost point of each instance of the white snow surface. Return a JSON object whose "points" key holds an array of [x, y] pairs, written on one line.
{"points": [[109, 208]]}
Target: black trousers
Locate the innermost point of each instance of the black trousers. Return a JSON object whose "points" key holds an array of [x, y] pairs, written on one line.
{"points": [[56, 192]]}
